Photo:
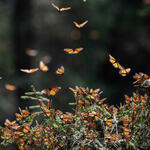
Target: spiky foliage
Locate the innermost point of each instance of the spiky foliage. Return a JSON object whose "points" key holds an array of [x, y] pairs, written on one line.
{"points": [[93, 125]]}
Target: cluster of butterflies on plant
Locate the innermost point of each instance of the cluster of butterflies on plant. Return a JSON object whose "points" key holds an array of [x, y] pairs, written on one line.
{"points": [[142, 80]]}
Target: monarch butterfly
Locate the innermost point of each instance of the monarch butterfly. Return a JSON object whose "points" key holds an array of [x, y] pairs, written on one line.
{"points": [[31, 52], [60, 9], [92, 114], [58, 112], [60, 70], [114, 62], [84, 114], [46, 109], [10, 87], [100, 101], [43, 67], [24, 112], [87, 102], [29, 70], [73, 51], [9, 124], [80, 25], [142, 80], [19, 117], [51, 91], [123, 71], [74, 91], [80, 103]]}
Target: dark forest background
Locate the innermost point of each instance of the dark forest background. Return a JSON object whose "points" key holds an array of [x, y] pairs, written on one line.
{"points": [[120, 28]]}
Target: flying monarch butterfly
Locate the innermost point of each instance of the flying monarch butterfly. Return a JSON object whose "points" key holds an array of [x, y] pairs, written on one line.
{"points": [[73, 51], [60, 70], [80, 25], [31, 52], [43, 67], [114, 62], [60, 9], [123, 71], [51, 91], [10, 87], [29, 70]]}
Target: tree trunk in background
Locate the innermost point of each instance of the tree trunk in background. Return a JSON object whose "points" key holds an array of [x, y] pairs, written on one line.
{"points": [[22, 37]]}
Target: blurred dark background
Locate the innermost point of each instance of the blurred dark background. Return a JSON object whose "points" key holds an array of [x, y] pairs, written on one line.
{"points": [[120, 28]]}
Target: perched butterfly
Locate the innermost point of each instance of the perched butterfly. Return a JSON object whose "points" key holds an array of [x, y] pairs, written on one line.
{"points": [[60, 9], [29, 70], [60, 70], [80, 25], [51, 91], [142, 80], [10, 87], [43, 67], [71, 51], [9, 124], [123, 71], [46, 108]]}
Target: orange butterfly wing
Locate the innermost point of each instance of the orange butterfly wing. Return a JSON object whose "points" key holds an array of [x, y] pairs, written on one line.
{"points": [[10, 87], [60, 9], [117, 65], [74, 91], [53, 91], [83, 24], [43, 67], [55, 6], [76, 24], [64, 9], [60, 70], [114, 62], [77, 50], [29, 70], [69, 50], [112, 59]]}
